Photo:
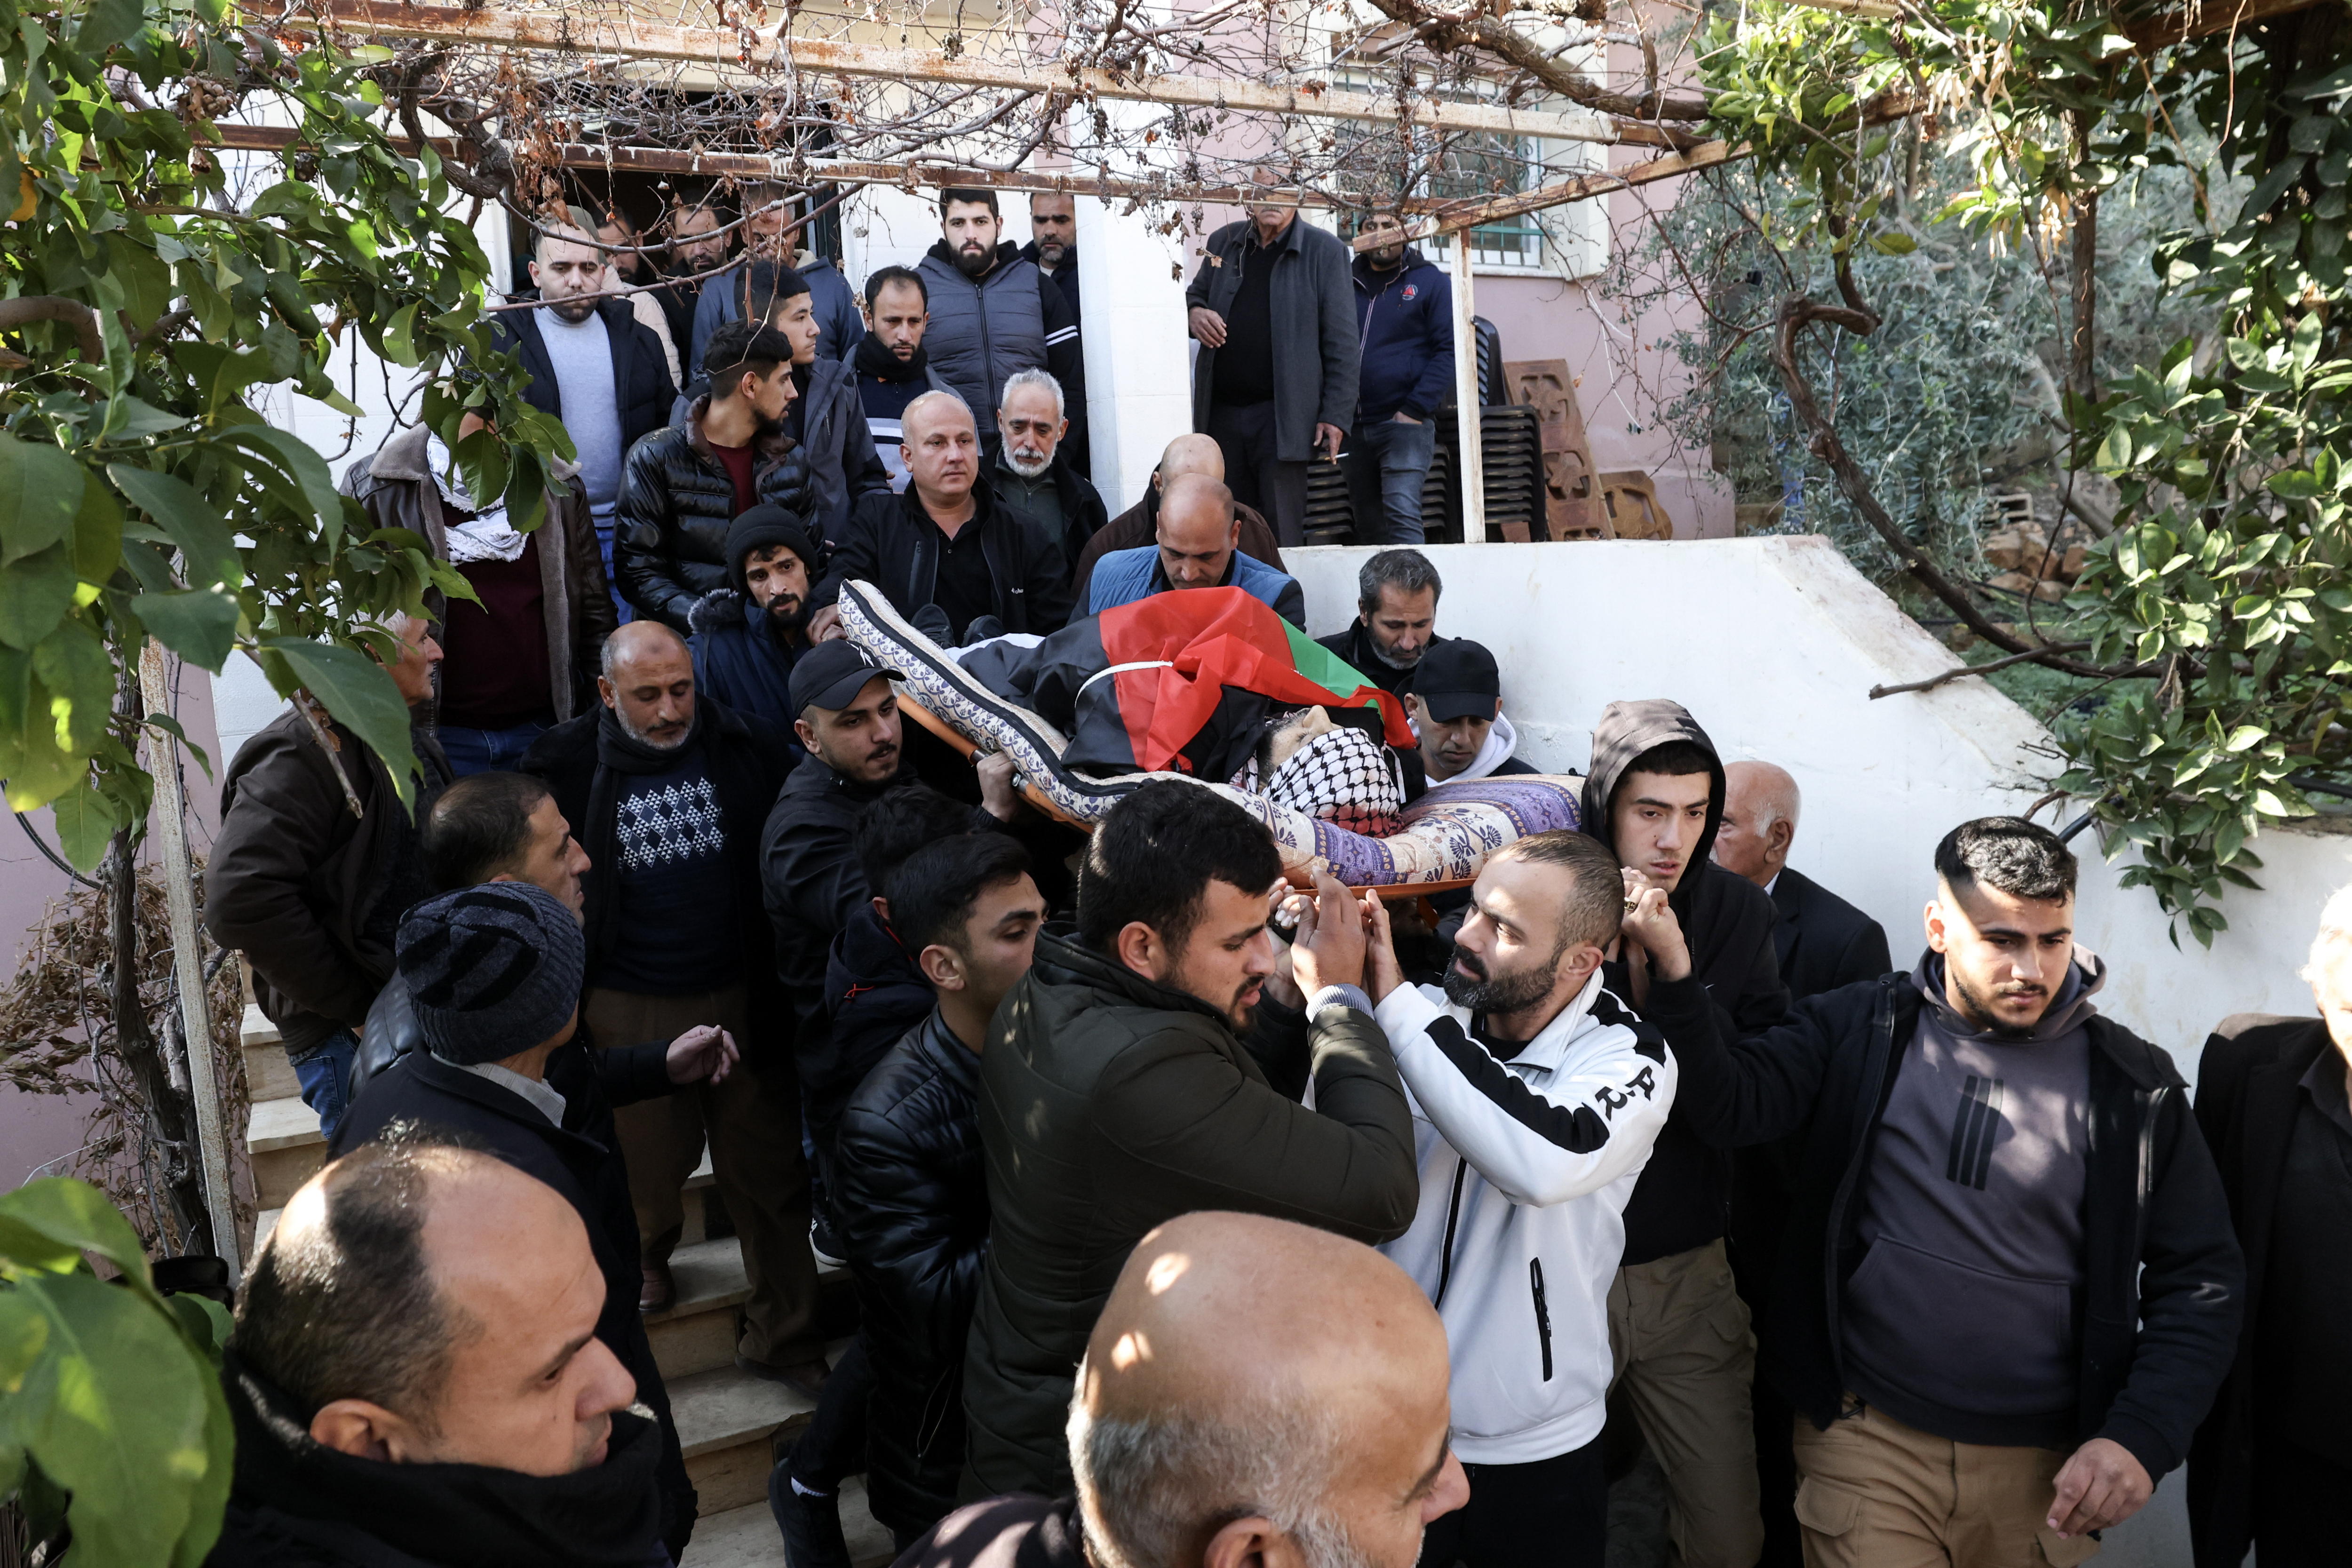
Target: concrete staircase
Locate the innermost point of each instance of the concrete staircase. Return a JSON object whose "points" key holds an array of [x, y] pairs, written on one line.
{"points": [[730, 1422]]}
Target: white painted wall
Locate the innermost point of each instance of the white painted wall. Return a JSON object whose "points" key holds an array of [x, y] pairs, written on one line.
{"points": [[1139, 355], [1773, 645]]}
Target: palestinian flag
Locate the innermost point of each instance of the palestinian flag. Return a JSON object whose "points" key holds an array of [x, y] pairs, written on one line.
{"points": [[1173, 654]]}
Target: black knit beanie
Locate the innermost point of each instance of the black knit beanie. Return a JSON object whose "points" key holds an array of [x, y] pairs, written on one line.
{"points": [[765, 526], [491, 970]]}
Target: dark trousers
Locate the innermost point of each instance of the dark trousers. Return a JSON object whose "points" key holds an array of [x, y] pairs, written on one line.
{"points": [[2298, 1507], [1548, 1513], [1255, 476], [1388, 463], [832, 1448]]}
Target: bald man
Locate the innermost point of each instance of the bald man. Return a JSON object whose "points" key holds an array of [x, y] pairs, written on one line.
{"points": [[416, 1376], [1216, 1425], [1198, 546], [667, 790], [946, 552], [1138, 524], [1824, 941]]}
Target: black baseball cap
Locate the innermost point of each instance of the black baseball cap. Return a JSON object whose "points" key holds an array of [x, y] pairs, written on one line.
{"points": [[1456, 678], [832, 673]]}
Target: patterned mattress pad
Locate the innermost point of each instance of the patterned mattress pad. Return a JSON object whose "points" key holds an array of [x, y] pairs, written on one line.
{"points": [[1445, 836]]}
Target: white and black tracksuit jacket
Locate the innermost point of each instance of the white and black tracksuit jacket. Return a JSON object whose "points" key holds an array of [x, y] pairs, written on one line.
{"points": [[1526, 1166]]}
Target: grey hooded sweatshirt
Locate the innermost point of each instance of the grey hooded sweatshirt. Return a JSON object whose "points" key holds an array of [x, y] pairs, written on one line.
{"points": [[1963, 1316]]}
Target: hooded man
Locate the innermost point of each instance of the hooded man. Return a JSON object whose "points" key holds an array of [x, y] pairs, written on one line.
{"points": [[747, 635], [1654, 793]]}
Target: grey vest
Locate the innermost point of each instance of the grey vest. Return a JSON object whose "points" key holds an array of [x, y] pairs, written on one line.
{"points": [[983, 333]]}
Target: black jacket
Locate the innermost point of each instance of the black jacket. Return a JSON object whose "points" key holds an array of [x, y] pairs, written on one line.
{"points": [[295, 1503], [594, 1080], [738, 659], [2247, 1094], [748, 766], [1823, 942], [2164, 1282], [1084, 515], [914, 1194], [642, 389], [843, 462], [893, 543], [1354, 649], [873, 996], [587, 1171], [669, 525], [1317, 348], [1682, 1199]]}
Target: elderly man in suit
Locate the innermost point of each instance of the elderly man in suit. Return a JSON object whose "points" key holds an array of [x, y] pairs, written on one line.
{"points": [[1824, 941]]}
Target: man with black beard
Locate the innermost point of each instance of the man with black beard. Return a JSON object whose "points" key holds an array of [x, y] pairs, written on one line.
{"points": [[1537, 1096], [746, 636], [1054, 242], [1033, 478], [667, 790], [995, 314], [893, 367]]}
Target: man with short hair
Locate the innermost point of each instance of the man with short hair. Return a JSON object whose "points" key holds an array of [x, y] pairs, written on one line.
{"points": [[1152, 1063], [995, 314], [629, 265], [1291, 1409], [593, 365], [947, 545], [2009, 1285], [668, 789], [913, 1182], [1404, 321], [1054, 242], [700, 239], [1198, 546], [1139, 524], [490, 976], [1274, 381], [747, 636], [1654, 793], [1033, 478], [1537, 1096], [1824, 941], [522, 655], [311, 892], [416, 1376], [1396, 619], [685, 485], [1456, 705], [772, 232], [893, 367]]}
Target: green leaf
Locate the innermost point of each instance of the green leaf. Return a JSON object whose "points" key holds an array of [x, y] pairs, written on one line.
{"points": [[40, 489], [314, 485], [48, 1223], [128, 418], [35, 594], [197, 624], [86, 826], [96, 534], [360, 693], [202, 534], [1893, 244], [106, 24]]}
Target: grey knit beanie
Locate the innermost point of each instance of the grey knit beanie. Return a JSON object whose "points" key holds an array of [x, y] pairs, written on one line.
{"points": [[491, 970]]}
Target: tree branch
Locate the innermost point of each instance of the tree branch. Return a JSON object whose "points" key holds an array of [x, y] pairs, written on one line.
{"points": [[1496, 37], [32, 308], [1933, 681]]}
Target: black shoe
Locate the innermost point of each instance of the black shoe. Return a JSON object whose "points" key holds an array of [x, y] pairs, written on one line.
{"points": [[810, 1525], [826, 1245]]}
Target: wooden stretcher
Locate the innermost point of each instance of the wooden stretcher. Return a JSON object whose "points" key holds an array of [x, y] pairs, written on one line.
{"points": [[969, 749]]}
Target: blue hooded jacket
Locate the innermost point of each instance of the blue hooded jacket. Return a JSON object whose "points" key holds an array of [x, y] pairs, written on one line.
{"points": [[1405, 319]]}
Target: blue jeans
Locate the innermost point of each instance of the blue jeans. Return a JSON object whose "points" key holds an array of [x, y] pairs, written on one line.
{"points": [[1388, 462], [612, 584], [487, 750], [325, 1076]]}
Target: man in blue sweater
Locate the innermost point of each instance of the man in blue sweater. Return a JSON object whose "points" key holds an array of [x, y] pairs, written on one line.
{"points": [[1405, 315], [1199, 546]]}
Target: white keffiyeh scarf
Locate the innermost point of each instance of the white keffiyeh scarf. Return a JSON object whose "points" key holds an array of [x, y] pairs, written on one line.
{"points": [[486, 537]]}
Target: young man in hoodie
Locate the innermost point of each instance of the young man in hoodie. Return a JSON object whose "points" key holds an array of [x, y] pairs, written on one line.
{"points": [[893, 367], [1654, 793], [747, 635], [2010, 1285], [1405, 316], [1536, 1098]]}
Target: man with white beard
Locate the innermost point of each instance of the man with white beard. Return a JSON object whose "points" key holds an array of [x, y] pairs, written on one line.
{"points": [[1032, 477]]}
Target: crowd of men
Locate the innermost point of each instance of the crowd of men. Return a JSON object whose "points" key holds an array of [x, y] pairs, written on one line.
{"points": [[1195, 1218]]}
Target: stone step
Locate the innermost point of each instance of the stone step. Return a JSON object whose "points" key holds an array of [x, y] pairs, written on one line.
{"points": [[746, 1537], [267, 1074], [729, 1423], [282, 1136], [699, 1333]]}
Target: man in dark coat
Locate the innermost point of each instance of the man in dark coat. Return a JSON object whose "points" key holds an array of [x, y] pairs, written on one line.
{"points": [[593, 365], [1678, 1328], [1396, 619], [483, 968], [747, 635], [417, 1376], [683, 486], [311, 892], [2270, 1467], [1275, 381], [995, 314], [2009, 1287], [1139, 524], [1036, 478], [1054, 243], [1823, 942], [1405, 315], [947, 543], [666, 791], [1152, 1063]]}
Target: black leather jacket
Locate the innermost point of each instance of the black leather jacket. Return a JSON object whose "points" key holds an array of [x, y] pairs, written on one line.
{"points": [[669, 525], [892, 543], [914, 1197]]}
